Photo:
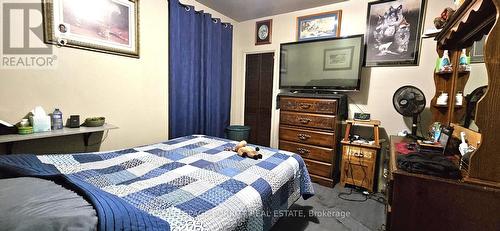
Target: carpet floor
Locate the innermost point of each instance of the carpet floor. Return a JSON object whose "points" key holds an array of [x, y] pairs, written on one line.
{"points": [[326, 211]]}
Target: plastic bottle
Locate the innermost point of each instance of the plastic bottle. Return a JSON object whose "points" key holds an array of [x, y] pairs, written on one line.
{"points": [[445, 61], [463, 58], [57, 120]]}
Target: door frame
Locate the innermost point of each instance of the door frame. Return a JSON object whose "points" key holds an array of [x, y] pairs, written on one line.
{"points": [[274, 113]]}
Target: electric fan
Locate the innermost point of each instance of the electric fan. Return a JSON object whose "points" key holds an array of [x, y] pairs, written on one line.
{"points": [[409, 101]]}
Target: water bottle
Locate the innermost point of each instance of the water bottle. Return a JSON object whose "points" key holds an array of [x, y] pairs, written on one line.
{"points": [[57, 120]]}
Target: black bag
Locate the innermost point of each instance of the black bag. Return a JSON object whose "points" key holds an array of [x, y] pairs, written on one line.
{"points": [[429, 164]]}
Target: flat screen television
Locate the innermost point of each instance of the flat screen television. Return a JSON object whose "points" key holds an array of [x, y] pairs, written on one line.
{"points": [[332, 64]]}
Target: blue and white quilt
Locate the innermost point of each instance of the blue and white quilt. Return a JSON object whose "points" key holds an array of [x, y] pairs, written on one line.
{"points": [[189, 183]]}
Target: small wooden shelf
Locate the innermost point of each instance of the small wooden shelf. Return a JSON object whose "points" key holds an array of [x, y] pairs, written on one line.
{"points": [[444, 74], [440, 106], [451, 83], [86, 131], [364, 123], [360, 145]]}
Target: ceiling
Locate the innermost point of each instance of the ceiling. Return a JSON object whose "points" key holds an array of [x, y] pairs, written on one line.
{"points": [[242, 10]]}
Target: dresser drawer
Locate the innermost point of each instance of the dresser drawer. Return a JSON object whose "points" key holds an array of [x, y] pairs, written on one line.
{"points": [[358, 154], [325, 139], [308, 151], [323, 106], [319, 168], [308, 120]]}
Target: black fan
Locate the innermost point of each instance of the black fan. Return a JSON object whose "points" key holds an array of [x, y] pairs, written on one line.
{"points": [[409, 101]]}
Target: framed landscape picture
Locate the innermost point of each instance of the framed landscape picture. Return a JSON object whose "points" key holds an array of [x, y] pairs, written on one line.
{"points": [[338, 59], [110, 26], [318, 26], [393, 32]]}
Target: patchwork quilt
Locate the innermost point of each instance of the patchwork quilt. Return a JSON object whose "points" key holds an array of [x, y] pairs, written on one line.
{"points": [[189, 183]]}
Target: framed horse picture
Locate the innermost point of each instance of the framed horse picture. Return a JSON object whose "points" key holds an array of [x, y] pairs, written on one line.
{"points": [[393, 32]]}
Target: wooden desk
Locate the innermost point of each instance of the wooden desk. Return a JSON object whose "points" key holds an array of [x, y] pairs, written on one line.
{"points": [[423, 202], [87, 132]]}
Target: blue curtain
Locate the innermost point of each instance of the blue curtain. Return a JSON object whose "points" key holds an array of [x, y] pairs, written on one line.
{"points": [[200, 56]]}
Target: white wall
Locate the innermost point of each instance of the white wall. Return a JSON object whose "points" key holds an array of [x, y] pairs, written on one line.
{"points": [[378, 84], [130, 93]]}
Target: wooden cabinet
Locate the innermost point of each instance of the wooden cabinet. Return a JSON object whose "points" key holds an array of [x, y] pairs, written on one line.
{"points": [[359, 161], [310, 126], [423, 202]]}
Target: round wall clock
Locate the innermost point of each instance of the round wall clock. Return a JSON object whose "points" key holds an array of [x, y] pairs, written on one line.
{"points": [[263, 32]]}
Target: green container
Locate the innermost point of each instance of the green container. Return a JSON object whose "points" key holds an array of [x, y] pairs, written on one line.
{"points": [[25, 130], [238, 132]]}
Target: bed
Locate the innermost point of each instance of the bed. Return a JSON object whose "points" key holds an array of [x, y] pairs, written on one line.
{"points": [[188, 183]]}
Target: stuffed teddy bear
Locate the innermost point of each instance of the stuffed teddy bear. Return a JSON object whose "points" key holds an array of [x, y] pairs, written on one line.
{"points": [[245, 151]]}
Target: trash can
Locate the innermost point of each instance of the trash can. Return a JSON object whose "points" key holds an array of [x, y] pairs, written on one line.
{"points": [[238, 132]]}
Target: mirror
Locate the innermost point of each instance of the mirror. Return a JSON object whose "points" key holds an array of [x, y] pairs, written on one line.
{"points": [[475, 87]]}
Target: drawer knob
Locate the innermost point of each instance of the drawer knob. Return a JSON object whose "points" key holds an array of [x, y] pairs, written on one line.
{"points": [[303, 151], [304, 120], [359, 155], [305, 105], [303, 136]]}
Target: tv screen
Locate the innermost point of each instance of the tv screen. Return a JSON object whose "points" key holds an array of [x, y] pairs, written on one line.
{"points": [[327, 64]]}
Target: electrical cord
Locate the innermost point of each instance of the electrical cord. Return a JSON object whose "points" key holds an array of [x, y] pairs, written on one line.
{"points": [[342, 194], [369, 196], [355, 104]]}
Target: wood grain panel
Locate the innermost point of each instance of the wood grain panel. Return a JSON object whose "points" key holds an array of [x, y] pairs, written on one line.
{"points": [[259, 97], [323, 106], [357, 174], [329, 182], [308, 120], [484, 163], [358, 154], [324, 139], [309, 151], [319, 168]]}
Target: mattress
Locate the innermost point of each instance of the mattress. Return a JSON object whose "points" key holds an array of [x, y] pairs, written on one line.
{"points": [[37, 204], [189, 183]]}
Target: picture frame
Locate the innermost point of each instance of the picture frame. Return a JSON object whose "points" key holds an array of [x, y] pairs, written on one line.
{"points": [[338, 59], [263, 32], [477, 51], [393, 36], [110, 27], [319, 26]]}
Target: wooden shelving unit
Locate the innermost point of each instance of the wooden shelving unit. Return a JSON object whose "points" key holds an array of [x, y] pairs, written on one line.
{"points": [[473, 20], [451, 83]]}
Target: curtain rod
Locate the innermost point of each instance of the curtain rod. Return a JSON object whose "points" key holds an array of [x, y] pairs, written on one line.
{"points": [[188, 8]]}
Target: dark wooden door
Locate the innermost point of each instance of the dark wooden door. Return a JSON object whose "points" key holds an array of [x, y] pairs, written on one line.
{"points": [[259, 97]]}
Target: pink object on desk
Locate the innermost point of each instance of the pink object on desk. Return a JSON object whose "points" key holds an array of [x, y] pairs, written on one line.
{"points": [[402, 148]]}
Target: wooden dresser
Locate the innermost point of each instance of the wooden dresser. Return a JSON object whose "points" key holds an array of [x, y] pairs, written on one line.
{"points": [[310, 125], [422, 202]]}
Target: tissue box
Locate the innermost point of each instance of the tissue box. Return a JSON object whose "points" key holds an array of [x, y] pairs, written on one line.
{"points": [[40, 123]]}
